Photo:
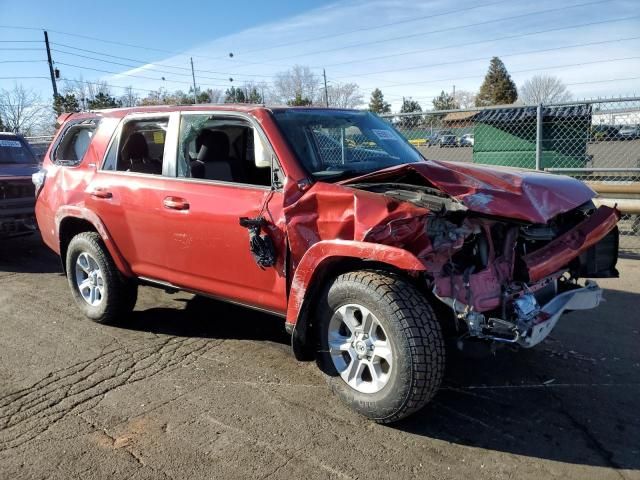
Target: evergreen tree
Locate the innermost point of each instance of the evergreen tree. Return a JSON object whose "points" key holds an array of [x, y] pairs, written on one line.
{"points": [[497, 88], [409, 106], [1, 125], [102, 100], [67, 103], [253, 96], [444, 101], [299, 101], [234, 95], [377, 103]]}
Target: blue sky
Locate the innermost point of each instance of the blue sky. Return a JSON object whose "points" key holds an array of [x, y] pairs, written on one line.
{"points": [[405, 47]]}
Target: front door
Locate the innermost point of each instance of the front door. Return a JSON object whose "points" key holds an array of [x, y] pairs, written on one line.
{"points": [[218, 180]]}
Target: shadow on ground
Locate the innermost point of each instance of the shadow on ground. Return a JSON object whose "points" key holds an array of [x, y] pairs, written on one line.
{"points": [[27, 254], [572, 399]]}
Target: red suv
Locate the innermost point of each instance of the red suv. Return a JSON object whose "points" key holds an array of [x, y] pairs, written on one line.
{"points": [[331, 219]]}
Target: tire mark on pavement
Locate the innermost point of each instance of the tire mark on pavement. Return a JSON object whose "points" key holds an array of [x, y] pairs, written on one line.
{"points": [[28, 413]]}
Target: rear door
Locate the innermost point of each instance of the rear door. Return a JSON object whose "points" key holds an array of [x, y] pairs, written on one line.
{"points": [[128, 190]]}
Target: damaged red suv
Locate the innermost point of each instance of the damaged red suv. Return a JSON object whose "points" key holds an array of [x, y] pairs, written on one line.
{"points": [[331, 219]]}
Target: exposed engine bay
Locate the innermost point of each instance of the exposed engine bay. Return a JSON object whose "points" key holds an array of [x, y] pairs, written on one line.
{"points": [[491, 271]]}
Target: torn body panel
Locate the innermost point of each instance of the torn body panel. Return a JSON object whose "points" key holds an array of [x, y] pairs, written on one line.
{"points": [[490, 244]]}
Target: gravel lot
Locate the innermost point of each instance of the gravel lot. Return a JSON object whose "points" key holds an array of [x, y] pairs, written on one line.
{"points": [[192, 388]]}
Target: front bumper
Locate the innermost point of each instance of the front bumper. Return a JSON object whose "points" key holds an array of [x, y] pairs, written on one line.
{"points": [[584, 298], [17, 216]]}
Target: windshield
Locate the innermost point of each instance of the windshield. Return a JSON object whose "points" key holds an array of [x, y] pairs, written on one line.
{"points": [[336, 143], [13, 150]]}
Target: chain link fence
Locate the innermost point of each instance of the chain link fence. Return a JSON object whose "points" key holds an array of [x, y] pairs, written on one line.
{"points": [[597, 141]]}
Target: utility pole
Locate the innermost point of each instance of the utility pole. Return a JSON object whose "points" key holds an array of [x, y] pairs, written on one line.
{"points": [[193, 75], [53, 77], [326, 94]]}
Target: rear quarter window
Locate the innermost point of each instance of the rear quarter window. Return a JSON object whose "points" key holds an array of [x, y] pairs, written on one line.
{"points": [[74, 142]]}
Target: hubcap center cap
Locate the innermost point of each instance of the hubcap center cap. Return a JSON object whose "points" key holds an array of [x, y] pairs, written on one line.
{"points": [[361, 347]]}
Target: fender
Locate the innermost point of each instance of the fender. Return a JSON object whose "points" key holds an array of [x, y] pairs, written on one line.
{"points": [[91, 217], [326, 251]]}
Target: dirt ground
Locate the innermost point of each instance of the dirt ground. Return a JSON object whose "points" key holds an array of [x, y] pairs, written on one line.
{"points": [[197, 389]]}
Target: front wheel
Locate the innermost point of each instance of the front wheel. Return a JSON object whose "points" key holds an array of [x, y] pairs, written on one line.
{"points": [[98, 288], [380, 345]]}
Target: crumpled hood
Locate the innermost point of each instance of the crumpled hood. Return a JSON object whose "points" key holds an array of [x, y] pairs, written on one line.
{"points": [[8, 170], [531, 196]]}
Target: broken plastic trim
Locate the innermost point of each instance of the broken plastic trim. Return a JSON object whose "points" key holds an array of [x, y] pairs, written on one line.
{"points": [[260, 244]]}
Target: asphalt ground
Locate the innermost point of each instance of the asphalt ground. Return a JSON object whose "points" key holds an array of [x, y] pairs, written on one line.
{"points": [[197, 389]]}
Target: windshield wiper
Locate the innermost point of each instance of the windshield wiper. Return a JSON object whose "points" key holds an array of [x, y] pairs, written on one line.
{"points": [[335, 174]]}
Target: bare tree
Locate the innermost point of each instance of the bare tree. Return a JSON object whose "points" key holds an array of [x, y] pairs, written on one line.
{"points": [[544, 89], [22, 111], [464, 98], [299, 81], [129, 98], [85, 91], [342, 95]]}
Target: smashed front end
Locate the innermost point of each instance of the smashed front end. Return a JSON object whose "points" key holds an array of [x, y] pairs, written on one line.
{"points": [[510, 282], [505, 279]]}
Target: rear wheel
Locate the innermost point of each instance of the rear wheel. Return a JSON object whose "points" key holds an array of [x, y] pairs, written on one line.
{"points": [[100, 291], [381, 347]]}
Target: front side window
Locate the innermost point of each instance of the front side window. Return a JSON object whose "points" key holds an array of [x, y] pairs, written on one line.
{"points": [[14, 150], [332, 144], [219, 148], [140, 148]]}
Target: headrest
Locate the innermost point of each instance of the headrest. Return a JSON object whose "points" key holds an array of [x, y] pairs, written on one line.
{"points": [[135, 147], [212, 145]]}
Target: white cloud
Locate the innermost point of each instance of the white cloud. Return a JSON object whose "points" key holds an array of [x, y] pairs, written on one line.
{"points": [[332, 20]]}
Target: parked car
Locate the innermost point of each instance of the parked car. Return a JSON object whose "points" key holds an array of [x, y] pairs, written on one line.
{"points": [[447, 141], [601, 133], [629, 132], [374, 256], [466, 140], [17, 199]]}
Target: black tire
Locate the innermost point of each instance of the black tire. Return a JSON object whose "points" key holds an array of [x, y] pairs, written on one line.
{"points": [[119, 293], [415, 337]]}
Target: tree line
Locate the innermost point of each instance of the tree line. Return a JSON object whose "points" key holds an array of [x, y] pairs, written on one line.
{"points": [[497, 89], [22, 111]]}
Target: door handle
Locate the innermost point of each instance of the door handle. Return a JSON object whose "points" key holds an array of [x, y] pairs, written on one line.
{"points": [[175, 203], [100, 193]]}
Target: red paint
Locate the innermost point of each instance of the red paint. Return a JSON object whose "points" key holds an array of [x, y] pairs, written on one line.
{"points": [[186, 232], [524, 195], [568, 246]]}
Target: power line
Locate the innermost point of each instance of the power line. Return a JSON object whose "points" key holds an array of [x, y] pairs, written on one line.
{"points": [[130, 75], [22, 61], [532, 69], [467, 60], [22, 78], [447, 29], [374, 27], [142, 62], [133, 66], [466, 44]]}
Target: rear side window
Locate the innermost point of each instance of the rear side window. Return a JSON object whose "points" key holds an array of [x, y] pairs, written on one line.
{"points": [[74, 142], [140, 147]]}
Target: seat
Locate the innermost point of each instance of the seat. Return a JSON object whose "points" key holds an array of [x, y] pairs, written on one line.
{"points": [[136, 155], [213, 162]]}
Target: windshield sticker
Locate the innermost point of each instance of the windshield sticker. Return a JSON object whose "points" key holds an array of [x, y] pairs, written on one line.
{"points": [[383, 134], [10, 143]]}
